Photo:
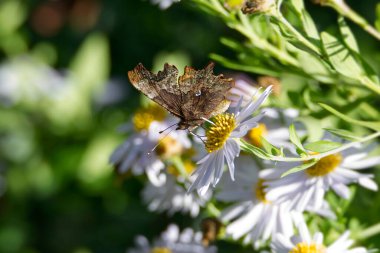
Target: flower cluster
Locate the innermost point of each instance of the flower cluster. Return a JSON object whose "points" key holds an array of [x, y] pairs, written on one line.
{"points": [[172, 240], [254, 200]]}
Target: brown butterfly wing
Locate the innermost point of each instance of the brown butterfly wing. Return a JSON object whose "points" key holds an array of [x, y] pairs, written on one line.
{"points": [[161, 87], [197, 94], [203, 94]]}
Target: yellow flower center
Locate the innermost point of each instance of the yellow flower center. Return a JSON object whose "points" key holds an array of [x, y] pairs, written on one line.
{"points": [[325, 165], [303, 247], [259, 190], [188, 165], [145, 116], [169, 147], [254, 135], [218, 133], [160, 250]]}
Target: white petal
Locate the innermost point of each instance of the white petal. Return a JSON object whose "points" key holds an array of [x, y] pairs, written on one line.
{"points": [[245, 126], [234, 210], [342, 190], [362, 164], [231, 151], [245, 223], [251, 107], [318, 238], [219, 165], [304, 232], [368, 183]]}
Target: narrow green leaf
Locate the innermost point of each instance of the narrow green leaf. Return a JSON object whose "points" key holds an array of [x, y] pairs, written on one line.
{"points": [[267, 146], [348, 36], [313, 127], [350, 42], [374, 125], [296, 140], [308, 24], [377, 22], [243, 67], [322, 146], [313, 66], [344, 134], [301, 167], [254, 150], [341, 57]]}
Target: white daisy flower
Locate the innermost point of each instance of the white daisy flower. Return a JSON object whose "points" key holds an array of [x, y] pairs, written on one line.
{"points": [[253, 217], [172, 198], [164, 4], [136, 154], [305, 243], [172, 241], [307, 188], [222, 143]]}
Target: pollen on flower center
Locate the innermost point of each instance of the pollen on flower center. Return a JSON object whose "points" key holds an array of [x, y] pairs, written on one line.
{"points": [[259, 191], [303, 247], [325, 165], [144, 116], [218, 133], [254, 135], [160, 250]]}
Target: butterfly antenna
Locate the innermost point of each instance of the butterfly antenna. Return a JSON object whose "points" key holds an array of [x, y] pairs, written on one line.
{"points": [[160, 132], [160, 141]]}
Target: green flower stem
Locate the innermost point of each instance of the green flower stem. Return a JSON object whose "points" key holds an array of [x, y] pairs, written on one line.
{"points": [[321, 155], [212, 209], [370, 84], [343, 9], [219, 7], [369, 232]]}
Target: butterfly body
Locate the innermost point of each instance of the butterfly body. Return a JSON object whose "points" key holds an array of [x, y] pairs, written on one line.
{"points": [[192, 97]]}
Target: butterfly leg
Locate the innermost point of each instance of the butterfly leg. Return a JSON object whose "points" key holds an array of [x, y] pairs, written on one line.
{"points": [[196, 135]]}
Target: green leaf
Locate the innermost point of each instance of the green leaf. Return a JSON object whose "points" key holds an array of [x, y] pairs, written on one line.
{"points": [[341, 57], [322, 146], [301, 167], [313, 127], [91, 64], [308, 24], [243, 67], [374, 125], [254, 150], [313, 66], [377, 22], [350, 42], [343, 134], [270, 148], [296, 140], [348, 36]]}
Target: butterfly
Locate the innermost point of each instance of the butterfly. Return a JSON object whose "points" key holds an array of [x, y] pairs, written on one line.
{"points": [[193, 97]]}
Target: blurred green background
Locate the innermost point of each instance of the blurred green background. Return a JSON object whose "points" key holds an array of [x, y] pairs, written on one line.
{"points": [[64, 92]]}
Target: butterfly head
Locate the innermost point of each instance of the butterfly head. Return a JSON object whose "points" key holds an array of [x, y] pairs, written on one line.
{"points": [[189, 124]]}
